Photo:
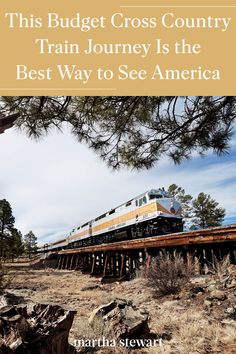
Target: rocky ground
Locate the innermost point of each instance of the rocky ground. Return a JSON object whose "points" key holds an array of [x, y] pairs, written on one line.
{"points": [[200, 319]]}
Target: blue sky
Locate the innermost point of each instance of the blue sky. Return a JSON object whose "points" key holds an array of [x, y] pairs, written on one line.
{"points": [[56, 183]]}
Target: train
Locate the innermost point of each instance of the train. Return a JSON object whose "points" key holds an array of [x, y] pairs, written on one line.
{"points": [[151, 213]]}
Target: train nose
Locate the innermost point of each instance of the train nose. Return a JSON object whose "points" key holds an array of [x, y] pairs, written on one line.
{"points": [[172, 209]]}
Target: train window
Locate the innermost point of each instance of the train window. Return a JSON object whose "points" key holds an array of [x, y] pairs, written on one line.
{"points": [[144, 200], [128, 203], [136, 202], [155, 196], [100, 217], [112, 211], [140, 201]]}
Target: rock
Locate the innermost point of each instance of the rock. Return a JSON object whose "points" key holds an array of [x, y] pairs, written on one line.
{"points": [[197, 290], [101, 311], [176, 297], [212, 287], [217, 295], [3, 301], [199, 294], [232, 284], [208, 303], [10, 299], [228, 322], [231, 312], [165, 335], [44, 330], [120, 319]]}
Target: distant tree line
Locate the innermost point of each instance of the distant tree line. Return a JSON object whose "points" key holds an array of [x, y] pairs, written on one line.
{"points": [[199, 213], [12, 243]]}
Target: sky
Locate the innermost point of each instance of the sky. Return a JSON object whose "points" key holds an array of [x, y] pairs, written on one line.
{"points": [[56, 183]]}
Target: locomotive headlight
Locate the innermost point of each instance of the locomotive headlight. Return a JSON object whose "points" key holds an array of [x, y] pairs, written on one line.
{"points": [[172, 209]]}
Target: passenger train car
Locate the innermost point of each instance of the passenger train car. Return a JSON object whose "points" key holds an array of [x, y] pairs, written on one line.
{"points": [[151, 213]]}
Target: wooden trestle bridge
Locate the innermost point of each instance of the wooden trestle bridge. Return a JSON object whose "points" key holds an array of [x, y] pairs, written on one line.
{"points": [[121, 259]]}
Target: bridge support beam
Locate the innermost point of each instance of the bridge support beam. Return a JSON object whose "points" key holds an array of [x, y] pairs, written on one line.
{"points": [[119, 262]]}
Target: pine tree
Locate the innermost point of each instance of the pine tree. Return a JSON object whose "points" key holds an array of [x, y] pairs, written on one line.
{"points": [[6, 224], [198, 213], [206, 212], [133, 131], [14, 245], [30, 243]]}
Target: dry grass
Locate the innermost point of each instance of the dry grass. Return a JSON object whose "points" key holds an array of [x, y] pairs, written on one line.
{"points": [[193, 330], [193, 333], [5, 278], [220, 267]]}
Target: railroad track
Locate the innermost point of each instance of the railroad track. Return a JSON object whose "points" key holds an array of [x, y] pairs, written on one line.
{"points": [[121, 259]]}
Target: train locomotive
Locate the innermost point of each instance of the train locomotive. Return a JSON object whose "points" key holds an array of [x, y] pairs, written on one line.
{"points": [[151, 213]]}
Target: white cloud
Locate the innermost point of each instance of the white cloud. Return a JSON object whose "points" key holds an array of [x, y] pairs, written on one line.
{"points": [[57, 183]]}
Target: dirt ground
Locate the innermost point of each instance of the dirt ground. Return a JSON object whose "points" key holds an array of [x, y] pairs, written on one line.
{"points": [[195, 324]]}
